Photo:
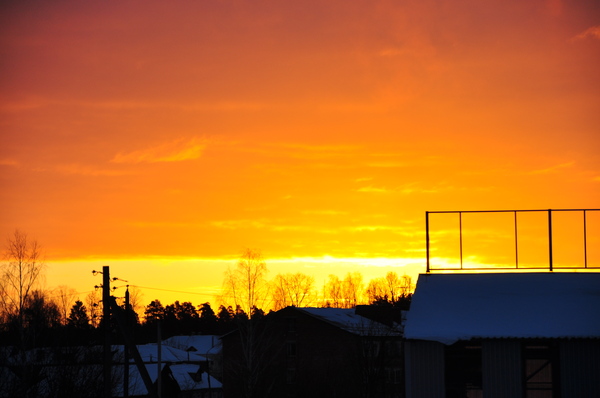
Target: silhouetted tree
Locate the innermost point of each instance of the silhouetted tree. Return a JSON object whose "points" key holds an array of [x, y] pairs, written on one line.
{"points": [[396, 290], [225, 314], [154, 312], [78, 317], [240, 314], [19, 274], [208, 319], [257, 314], [186, 312]]}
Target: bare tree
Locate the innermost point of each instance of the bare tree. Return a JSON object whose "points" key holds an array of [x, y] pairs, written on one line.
{"points": [[377, 290], [136, 298], [393, 285], [345, 293], [246, 284], [92, 301], [332, 292], [65, 297], [406, 285], [352, 289], [20, 273], [391, 288], [293, 289]]}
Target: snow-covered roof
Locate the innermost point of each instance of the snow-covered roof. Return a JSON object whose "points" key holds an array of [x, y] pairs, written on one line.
{"points": [[136, 383], [452, 307], [149, 354], [202, 344], [348, 320], [182, 373]]}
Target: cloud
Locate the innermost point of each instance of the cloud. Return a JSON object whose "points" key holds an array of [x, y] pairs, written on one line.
{"points": [[552, 169], [385, 228], [324, 212], [89, 170], [593, 33], [387, 164], [8, 162], [372, 190], [307, 151], [238, 224], [175, 151]]}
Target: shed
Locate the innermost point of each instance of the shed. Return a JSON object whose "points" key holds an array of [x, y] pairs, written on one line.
{"points": [[504, 335]]}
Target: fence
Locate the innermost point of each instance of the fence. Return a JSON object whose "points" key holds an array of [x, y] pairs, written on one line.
{"points": [[551, 266]]}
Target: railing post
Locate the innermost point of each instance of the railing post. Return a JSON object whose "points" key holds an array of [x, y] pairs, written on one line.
{"points": [[550, 238], [460, 232], [427, 237], [516, 243], [584, 240]]}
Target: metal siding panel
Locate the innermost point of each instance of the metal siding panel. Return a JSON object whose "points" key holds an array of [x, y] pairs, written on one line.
{"points": [[580, 368], [501, 367], [424, 369]]}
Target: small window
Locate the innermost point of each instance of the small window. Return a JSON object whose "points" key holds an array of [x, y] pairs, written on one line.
{"points": [[371, 348], [290, 324], [539, 365], [290, 376], [290, 348]]}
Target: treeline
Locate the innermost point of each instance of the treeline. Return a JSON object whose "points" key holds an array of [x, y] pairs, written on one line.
{"points": [[32, 317]]}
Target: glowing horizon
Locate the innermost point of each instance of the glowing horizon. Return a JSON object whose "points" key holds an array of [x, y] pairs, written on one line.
{"points": [[145, 135]]}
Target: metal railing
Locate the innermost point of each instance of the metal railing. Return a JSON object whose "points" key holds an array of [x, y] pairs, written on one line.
{"points": [[551, 265]]}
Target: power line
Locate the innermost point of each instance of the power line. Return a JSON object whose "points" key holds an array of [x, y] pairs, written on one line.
{"points": [[168, 290]]}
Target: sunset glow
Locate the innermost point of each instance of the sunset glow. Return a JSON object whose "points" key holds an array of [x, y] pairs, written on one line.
{"points": [[163, 138]]}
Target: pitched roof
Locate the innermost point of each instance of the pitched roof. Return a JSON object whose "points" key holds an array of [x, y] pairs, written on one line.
{"points": [[348, 320], [202, 344], [451, 307], [182, 373]]}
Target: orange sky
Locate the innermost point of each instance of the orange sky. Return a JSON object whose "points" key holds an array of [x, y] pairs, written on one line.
{"points": [[162, 138]]}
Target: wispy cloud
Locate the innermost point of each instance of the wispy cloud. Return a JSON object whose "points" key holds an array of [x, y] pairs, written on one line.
{"points": [[174, 151], [372, 190], [79, 169], [552, 169], [390, 164], [310, 152], [591, 33], [8, 162], [324, 212]]}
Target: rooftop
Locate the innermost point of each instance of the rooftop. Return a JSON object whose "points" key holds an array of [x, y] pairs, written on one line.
{"points": [[452, 307]]}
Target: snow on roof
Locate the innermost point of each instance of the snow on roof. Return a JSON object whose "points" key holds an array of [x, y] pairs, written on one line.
{"points": [[452, 307], [347, 319], [182, 373], [149, 354], [136, 383], [204, 344]]}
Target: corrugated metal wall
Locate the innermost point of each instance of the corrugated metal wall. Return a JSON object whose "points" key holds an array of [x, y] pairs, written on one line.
{"points": [[424, 369], [580, 368], [501, 367]]}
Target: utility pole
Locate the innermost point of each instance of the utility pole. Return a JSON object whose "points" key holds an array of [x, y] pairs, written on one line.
{"points": [[159, 360], [126, 349], [107, 371]]}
